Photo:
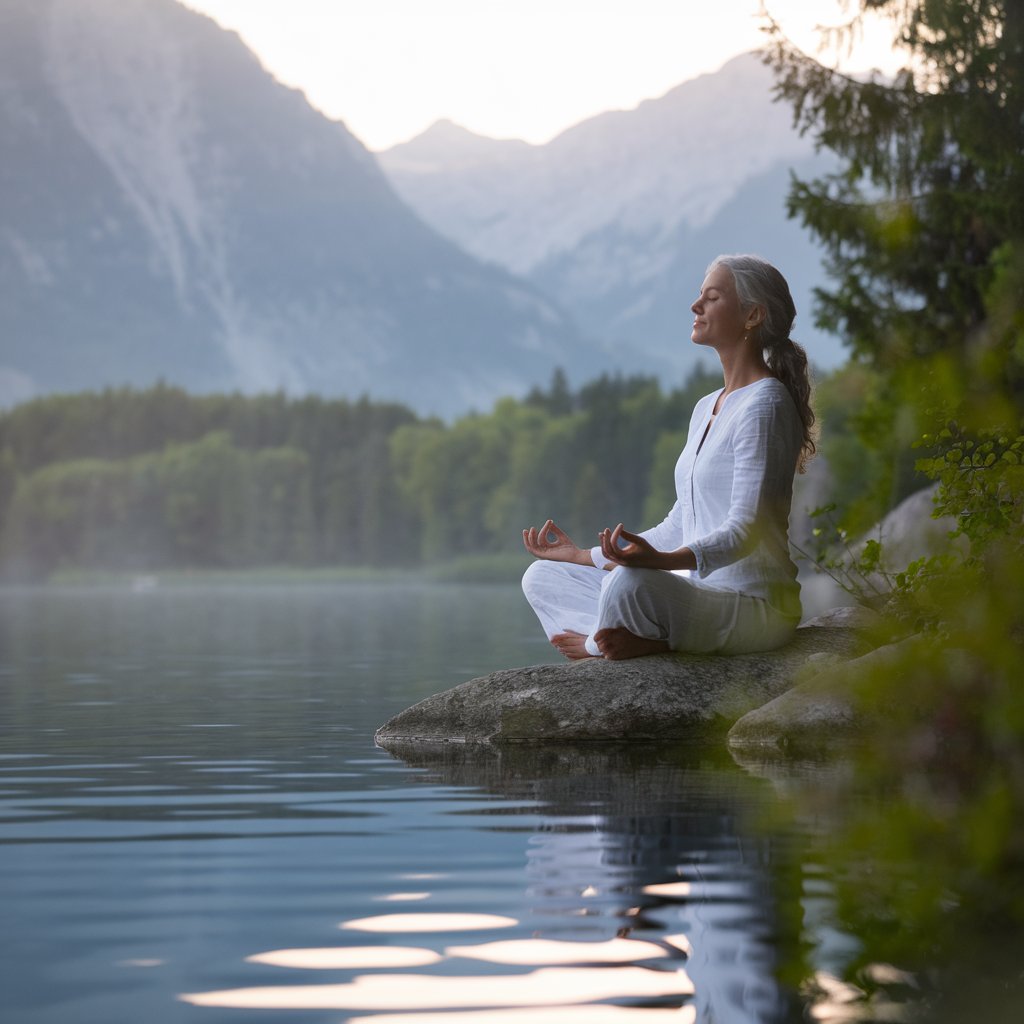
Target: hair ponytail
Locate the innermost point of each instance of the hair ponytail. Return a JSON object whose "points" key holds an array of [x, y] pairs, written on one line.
{"points": [[788, 363], [758, 283]]}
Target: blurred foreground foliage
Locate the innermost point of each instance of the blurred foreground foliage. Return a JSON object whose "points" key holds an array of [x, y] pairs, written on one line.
{"points": [[923, 226]]}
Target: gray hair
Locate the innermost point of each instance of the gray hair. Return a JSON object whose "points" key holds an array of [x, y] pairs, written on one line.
{"points": [[758, 283]]}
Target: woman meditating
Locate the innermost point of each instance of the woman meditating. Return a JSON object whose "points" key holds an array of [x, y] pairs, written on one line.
{"points": [[729, 526]]}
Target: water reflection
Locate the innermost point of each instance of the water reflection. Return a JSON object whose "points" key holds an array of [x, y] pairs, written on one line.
{"points": [[834, 1000], [821, 792], [347, 957], [547, 986], [399, 924], [649, 843], [145, 854], [553, 951], [591, 1014], [646, 895]]}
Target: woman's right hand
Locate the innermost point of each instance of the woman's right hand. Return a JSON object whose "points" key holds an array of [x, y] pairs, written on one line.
{"points": [[554, 544]]}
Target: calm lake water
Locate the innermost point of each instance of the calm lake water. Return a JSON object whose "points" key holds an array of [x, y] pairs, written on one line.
{"points": [[196, 826]]}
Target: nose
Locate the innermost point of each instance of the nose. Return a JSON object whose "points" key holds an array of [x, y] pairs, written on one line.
{"points": [[695, 306]]}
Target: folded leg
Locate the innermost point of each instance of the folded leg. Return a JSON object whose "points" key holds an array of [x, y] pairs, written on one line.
{"points": [[564, 596], [688, 614]]}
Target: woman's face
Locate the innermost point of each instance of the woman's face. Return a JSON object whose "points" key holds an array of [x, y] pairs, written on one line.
{"points": [[718, 317]]}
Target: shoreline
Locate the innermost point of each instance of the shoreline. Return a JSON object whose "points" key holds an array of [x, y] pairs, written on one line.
{"points": [[498, 569]]}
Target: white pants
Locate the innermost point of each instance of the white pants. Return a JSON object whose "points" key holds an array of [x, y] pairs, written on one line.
{"points": [[654, 604]]}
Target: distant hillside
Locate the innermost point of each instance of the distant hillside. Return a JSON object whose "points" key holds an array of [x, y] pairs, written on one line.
{"points": [[618, 217], [167, 210]]}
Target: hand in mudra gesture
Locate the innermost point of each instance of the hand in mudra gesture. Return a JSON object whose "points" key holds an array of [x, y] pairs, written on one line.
{"points": [[553, 543], [629, 549]]}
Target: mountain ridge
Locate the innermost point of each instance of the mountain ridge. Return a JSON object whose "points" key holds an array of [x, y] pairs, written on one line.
{"points": [[168, 211], [173, 212], [619, 215]]}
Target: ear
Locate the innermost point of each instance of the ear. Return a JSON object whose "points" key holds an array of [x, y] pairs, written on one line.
{"points": [[755, 317]]}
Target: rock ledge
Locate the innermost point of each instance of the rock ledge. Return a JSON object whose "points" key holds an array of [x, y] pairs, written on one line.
{"points": [[666, 696]]}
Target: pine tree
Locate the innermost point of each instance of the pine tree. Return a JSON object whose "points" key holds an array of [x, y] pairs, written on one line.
{"points": [[929, 192], [922, 221]]}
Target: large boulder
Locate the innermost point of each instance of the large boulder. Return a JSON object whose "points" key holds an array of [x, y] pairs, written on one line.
{"points": [[826, 706], [912, 530], [665, 696]]}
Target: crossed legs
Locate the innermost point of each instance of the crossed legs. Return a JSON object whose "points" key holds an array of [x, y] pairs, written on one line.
{"points": [[568, 599], [627, 613], [616, 643]]}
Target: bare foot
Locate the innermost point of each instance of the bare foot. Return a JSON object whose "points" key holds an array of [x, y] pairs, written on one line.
{"points": [[617, 644], [572, 645]]}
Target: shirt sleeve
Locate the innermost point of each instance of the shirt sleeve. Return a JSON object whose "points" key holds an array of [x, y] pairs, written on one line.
{"points": [[764, 460]]}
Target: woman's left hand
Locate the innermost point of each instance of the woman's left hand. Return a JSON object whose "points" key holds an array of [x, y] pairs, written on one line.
{"points": [[636, 553]]}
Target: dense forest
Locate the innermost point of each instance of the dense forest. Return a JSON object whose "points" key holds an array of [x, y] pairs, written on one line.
{"points": [[147, 480], [153, 479]]}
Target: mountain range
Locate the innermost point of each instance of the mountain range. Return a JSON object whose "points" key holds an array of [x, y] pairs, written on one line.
{"points": [[619, 216], [169, 211]]}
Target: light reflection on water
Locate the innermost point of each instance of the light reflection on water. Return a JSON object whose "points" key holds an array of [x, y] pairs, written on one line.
{"points": [[213, 823]]}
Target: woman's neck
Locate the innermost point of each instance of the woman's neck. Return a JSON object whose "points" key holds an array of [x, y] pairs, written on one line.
{"points": [[739, 372]]}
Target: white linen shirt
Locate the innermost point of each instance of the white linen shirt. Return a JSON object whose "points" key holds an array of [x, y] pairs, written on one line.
{"points": [[734, 492]]}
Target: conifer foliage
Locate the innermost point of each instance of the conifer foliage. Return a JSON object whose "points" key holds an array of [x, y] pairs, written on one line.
{"points": [[922, 221], [923, 225], [928, 199]]}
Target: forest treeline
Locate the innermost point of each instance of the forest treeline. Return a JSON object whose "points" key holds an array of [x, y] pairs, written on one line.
{"points": [[145, 480]]}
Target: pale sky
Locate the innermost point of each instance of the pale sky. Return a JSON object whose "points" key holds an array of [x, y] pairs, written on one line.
{"points": [[524, 69]]}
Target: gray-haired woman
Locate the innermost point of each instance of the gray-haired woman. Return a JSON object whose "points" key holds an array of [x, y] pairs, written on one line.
{"points": [[728, 528]]}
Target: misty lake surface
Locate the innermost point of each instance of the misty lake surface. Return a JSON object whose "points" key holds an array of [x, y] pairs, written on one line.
{"points": [[196, 826]]}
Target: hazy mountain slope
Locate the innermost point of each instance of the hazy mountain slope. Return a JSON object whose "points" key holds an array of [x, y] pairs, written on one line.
{"points": [[618, 217], [649, 313], [167, 209]]}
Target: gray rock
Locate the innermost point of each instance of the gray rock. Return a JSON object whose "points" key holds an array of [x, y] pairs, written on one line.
{"points": [[823, 708], [849, 616], [908, 532], [911, 531], [665, 696]]}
